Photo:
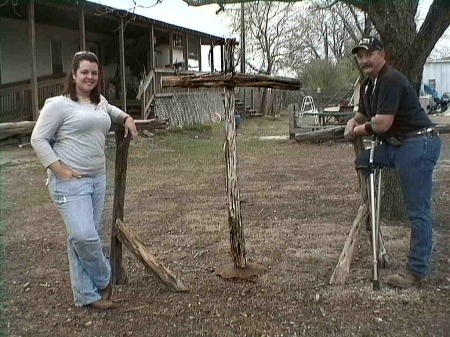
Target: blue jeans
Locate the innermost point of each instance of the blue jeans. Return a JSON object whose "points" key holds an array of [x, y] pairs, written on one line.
{"points": [[80, 203], [414, 161]]}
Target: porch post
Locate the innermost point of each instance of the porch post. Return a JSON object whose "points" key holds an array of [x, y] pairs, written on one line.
{"points": [[81, 27], [222, 68], [186, 51], [33, 75], [171, 48], [151, 51], [123, 93], [199, 54], [212, 56]]}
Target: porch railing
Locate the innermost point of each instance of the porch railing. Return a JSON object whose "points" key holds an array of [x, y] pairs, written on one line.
{"points": [[146, 95], [15, 99]]}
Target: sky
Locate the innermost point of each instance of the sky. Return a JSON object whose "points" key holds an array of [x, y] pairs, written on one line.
{"points": [[177, 12], [203, 18]]}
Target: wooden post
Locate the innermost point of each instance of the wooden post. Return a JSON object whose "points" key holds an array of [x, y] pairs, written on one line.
{"points": [[237, 238], [212, 56], [81, 27], [222, 67], [33, 75], [292, 124], [151, 51], [186, 51], [171, 48], [120, 177], [199, 54], [123, 91]]}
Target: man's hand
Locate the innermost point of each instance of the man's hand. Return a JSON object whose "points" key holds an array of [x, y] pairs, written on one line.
{"points": [[348, 133]]}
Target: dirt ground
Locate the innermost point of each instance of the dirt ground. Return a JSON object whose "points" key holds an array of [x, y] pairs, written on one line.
{"points": [[299, 201]]}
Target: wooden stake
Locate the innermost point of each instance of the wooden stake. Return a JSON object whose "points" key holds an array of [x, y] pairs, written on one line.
{"points": [[125, 235], [342, 270]]}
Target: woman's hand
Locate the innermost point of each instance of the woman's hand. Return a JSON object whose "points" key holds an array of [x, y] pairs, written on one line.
{"points": [[62, 172], [67, 174], [130, 127]]}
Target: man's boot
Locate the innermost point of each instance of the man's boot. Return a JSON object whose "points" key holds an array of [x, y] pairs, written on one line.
{"points": [[403, 280]]}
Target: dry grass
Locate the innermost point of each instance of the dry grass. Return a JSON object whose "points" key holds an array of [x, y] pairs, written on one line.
{"points": [[299, 201]]}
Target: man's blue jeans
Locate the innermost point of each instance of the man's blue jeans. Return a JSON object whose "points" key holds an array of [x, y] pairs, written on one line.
{"points": [[414, 161], [80, 203]]}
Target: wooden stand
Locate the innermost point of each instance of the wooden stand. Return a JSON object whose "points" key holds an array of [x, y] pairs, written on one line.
{"points": [[229, 80]]}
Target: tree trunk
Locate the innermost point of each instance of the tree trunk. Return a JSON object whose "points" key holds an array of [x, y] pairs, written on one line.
{"points": [[392, 206]]}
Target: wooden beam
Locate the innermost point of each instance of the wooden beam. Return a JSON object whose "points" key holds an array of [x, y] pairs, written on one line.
{"points": [[120, 177], [199, 54], [171, 49], [23, 128], [123, 91], [324, 134], [33, 73], [338, 133], [81, 27], [217, 80], [186, 51], [141, 252]]}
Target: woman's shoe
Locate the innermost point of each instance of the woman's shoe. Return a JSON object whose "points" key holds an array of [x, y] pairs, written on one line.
{"points": [[106, 292], [102, 305]]}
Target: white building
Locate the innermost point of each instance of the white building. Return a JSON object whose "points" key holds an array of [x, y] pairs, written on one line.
{"points": [[437, 75]]}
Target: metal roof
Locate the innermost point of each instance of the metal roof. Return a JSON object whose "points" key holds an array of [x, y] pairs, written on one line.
{"points": [[225, 2], [99, 18]]}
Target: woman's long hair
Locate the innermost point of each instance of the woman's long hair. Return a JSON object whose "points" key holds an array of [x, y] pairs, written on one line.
{"points": [[69, 88]]}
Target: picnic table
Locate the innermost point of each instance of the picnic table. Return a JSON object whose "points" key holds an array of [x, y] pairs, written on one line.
{"points": [[335, 115]]}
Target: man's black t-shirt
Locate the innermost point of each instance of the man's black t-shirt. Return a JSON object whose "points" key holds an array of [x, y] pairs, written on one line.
{"points": [[392, 94]]}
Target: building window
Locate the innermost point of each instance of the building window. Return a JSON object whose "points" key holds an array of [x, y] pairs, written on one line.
{"points": [[93, 47], [57, 66], [432, 83], [177, 40]]}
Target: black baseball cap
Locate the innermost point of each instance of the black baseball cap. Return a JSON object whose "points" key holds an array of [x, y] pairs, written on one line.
{"points": [[368, 43]]}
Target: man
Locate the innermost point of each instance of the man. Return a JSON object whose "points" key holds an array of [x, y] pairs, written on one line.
{"points": [[390, 108]]}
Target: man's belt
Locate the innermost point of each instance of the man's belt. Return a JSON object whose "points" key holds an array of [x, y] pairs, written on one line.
{"points": [[431, 132], [398, 140]]}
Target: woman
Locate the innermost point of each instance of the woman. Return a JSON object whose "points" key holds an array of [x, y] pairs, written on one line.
{"points": [[77, 123]]}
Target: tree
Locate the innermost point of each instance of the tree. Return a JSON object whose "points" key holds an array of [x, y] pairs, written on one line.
{"points": [[406, 46], [268, 25], [319, 48]]}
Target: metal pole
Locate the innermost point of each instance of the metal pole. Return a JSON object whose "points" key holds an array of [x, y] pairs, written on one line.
{"points": [[373, 216], [242, 39]]}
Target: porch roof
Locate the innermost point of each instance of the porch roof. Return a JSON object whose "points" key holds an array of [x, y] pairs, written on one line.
{"points": [[99, 18]]}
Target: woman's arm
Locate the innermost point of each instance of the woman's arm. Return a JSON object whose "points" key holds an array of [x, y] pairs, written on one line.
{"points": [[50, 120]]}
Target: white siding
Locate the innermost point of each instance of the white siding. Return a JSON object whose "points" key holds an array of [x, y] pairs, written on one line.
{"points": [[15, 47], [440, 72], [163, 59]]}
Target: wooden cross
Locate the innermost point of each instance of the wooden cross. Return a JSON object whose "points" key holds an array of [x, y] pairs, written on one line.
{"points": [[229, 80]]}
